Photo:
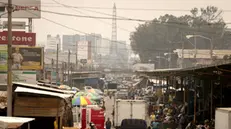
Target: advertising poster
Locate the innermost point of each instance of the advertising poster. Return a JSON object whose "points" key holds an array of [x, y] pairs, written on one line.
{"points": [[19, 76], [27, 58], [3, 58]]}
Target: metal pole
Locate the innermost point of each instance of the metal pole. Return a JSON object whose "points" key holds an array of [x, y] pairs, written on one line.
{"points": [[52, 68], [9, 61], [195, 102], [159, 62], [182, 56], [76, 61], [211, 48], [76, 56], [182, 52], [30, 24], [211, 99], [195, 47], [68, 67], [57, 64], [44, 72]]}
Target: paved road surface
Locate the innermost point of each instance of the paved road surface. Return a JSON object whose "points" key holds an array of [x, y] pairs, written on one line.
{"points": [[109, 106]]}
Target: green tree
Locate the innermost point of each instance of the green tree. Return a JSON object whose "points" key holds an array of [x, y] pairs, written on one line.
{"points": [[166, 33]]}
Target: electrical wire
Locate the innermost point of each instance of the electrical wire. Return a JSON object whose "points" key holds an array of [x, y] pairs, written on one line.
{"points": [[126, 9], [89, 15]]}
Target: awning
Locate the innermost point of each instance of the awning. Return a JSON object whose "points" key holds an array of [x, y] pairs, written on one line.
{"points": [[13, 122], [42, 92], [33, 86]]}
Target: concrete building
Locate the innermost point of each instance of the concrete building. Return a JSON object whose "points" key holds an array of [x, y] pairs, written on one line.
{"points": [[52, 42], [104, 47], [122, 50], [69, 42]]}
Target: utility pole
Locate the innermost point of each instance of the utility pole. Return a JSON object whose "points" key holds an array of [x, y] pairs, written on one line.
{"points": [[9, 61], [44, 72], [63, 73], [76, 61], [211, 48], [68, 68], [182, 52], [30, 25], [52, 68], [76, 56], [57, 64]]}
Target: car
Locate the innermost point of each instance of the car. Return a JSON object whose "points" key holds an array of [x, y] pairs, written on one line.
{"points": [[133, 124]]}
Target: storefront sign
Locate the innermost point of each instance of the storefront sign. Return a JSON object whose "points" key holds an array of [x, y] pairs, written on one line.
{"points": [[19, 38]]}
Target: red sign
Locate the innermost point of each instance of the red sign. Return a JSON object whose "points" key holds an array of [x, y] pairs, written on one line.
{"points": [[97, 117], [19, 38]]}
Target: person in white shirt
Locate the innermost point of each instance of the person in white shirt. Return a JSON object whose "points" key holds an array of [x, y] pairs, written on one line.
{"points": [[17, 59]]}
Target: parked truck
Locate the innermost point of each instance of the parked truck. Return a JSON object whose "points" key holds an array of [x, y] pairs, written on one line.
{"points": [[129, 109], [222, 118]]}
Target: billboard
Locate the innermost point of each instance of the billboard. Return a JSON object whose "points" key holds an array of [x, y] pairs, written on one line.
{"points": [[19, 76], [19, 38], [24, 58], [15, 25], [24, 8]]}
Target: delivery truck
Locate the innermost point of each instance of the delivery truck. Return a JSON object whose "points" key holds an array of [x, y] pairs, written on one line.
{"points": [[129, 109], [223, 118]]}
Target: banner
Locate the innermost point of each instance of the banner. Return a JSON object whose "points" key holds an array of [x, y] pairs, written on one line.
{"points": [[23, 58], [19, 76]]}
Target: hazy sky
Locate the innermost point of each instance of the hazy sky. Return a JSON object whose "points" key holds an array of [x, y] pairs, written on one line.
{"points": [[43, 27]]}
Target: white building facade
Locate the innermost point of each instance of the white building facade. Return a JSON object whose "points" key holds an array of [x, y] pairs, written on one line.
{"points": [[52, 42]]}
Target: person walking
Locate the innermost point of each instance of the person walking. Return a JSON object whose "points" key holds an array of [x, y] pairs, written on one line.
{"points": [[108, 123]]}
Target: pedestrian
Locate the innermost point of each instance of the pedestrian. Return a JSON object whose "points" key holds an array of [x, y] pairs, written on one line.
{"points": [[152, 117], [108, 123]]}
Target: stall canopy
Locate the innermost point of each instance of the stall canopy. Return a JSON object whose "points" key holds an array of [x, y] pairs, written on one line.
{"points": [[13, 122], [35, 91]]}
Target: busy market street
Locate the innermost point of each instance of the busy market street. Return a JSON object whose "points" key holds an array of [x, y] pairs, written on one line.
{"points": [[115, 64]]}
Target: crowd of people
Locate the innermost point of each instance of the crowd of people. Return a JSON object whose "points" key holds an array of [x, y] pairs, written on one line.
{"points": [[173, 116]]}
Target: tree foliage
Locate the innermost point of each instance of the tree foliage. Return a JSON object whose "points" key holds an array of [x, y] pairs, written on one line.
{"points": [[167, 32]]}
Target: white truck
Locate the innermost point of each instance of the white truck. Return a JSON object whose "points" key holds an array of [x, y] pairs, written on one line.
{"points": [[223, 118], [129, 109]]}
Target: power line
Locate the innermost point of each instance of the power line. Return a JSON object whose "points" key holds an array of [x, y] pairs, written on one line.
{"points": [[94, 17], [128, 9], [88, 15], [70, 28], [124, 19]]}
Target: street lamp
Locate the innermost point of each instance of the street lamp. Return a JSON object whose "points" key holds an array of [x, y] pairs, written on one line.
{"points": [[211, 43]]}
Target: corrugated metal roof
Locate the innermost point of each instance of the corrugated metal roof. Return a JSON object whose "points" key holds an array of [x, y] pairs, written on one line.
{"points": [[35, 91], [15, 119], [159, 70], [13, 122], [202, 53], [43, 88]]}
